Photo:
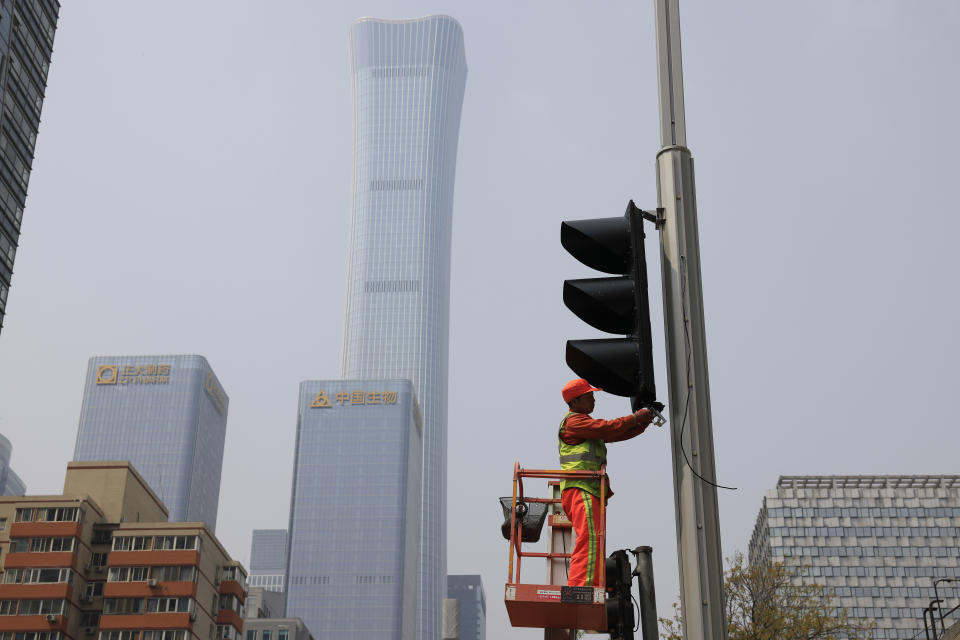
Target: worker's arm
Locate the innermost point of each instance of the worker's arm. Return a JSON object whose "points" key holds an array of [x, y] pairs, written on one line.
{"points": [[580, 426]]}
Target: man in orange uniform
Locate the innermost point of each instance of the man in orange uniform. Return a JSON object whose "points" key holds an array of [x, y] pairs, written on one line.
{"points": [[583, 447]]}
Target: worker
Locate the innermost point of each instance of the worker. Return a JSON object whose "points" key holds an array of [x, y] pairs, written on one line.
{"points": [[583, 447]]}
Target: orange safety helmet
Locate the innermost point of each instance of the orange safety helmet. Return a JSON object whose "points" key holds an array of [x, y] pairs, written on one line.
{"points": [[576, 388]]}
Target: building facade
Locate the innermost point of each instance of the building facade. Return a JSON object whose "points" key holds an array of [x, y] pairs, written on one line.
{"points": [[355, 510], [468, 591], [10, 482], [878, 542], [26, 44], [408, 80], [276, 629], [101, 561], [168, 416], [268, 559]]}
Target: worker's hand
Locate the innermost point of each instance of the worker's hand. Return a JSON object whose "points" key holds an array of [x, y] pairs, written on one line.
{"points": [[643, 417]]}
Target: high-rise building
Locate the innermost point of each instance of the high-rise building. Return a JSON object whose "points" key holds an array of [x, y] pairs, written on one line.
{"points": [[408, 82], [880, 543], [10, 482], [26, 43], [268, 558], [165, 414], [102, 561], [355, 510], [468, 590]]}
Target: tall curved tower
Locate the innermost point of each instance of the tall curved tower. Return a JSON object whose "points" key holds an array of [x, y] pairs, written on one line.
{"points": [[408, 81]]}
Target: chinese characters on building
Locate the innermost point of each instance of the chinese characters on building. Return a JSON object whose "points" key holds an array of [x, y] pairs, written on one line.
{"points": [[353, 398], [133, 374]]}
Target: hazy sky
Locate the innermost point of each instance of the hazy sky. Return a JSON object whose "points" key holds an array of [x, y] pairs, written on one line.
{"points": [[190, 194]]}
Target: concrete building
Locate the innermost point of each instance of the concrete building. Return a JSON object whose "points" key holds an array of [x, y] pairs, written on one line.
{"points": [[265, 603], [880, 543], [468, 591], [276, 629], [408, 80], [355, 510], [102, 561], [10, 482], [26, 44], [168, 416], [268, 558]]}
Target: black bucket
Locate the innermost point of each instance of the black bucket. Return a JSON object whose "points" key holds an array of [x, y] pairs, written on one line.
{"points": [[530, 517]]}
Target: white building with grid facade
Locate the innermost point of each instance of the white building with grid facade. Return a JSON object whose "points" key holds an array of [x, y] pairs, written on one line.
{"points": [[408, 84], [878, 542]]}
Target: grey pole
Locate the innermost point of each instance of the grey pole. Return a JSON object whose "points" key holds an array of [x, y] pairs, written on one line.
{"points": [[698, 522], [648, 597]]}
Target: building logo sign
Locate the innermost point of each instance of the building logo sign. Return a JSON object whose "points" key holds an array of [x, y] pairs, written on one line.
{"points": [[354, 398], [216, 394], [133, 374]]}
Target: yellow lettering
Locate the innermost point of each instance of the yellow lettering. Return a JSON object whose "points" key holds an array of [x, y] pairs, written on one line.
{"points": [[321, 400]]}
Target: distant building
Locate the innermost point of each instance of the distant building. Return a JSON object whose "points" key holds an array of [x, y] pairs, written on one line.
{"points": [[168, 416], [408, 79], [878, 542], [10, 482], [26, 44], [264, 603], [276, 629], [102, 561], [468, 590], [355, 510], [268, 558]]}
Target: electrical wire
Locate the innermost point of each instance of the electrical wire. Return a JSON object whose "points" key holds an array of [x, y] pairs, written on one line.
{"points": [[689, 349], [636, 608]]}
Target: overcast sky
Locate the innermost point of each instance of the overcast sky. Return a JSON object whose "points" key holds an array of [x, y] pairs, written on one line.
{"points": [[190, 194]]}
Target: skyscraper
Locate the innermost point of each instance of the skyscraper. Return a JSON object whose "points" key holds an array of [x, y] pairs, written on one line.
{"points": [[268, 559], [879, 543], [10, 482], [355, 510], [468, 590], [408, 82], [26, 43], [168, 416]]}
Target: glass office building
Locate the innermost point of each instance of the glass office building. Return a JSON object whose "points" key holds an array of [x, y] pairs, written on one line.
{"points": [[168, 416], [268, 559], [355, 510], [878, 542], [10, 482], [468, 590], [26, 44], [408, 82]]}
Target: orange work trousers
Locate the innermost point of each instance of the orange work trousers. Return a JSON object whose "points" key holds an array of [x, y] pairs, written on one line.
{"points": [[583, 509]]}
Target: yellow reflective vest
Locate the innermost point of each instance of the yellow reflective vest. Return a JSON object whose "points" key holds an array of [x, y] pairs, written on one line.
{"points": [[589, 455]]}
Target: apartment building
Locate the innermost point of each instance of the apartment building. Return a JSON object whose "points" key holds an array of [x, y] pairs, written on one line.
{"points": [[102, 561]]}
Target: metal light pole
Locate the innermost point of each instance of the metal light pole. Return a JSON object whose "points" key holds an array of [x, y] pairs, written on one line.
{"points": [[694, 472]]}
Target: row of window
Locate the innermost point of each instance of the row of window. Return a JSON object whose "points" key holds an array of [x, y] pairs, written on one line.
{"points": [[228, 602], [30, 635], [31, 607], [267, 634], [33, 576], [49, 514], [47, 27], [114, 606], [155, 543], [160, 574], [9, 202], [869, 552], [887, 572], [867, 532], [863, 512], [154, 634], [41, 545]]}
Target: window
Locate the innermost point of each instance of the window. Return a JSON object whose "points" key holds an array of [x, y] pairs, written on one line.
{"points": [[98, 559], [46, 575], [24, 515], [40, 607], [118, 635], [90, 618], [167, 543], [113, 606], [266, 634], [3, 524], [168, 605], [30, 635], [173, 574], [251, 634], [93, 590], [165, 634], [102, 536], [131, 543], [43, 545], [282, 634], [8, 607], [13, 576], [127, 574], [58, 514]]}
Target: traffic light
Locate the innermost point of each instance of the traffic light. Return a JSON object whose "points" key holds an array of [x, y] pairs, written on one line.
{"points": [[620, 305], [620, 620]]}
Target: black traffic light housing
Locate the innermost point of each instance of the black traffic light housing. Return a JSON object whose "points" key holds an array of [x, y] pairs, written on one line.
{"points": [[620, 620], [619, 305]]}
